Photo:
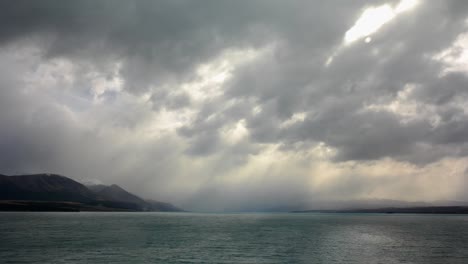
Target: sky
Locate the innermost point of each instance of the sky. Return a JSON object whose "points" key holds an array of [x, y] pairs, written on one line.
{"points": [[234, 105]]}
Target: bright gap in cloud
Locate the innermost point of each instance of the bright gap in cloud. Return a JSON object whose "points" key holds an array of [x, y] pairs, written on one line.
{"points": [[236, 132], [455, 58], [373, 18], [296, 118], [106, 82], [406, 108], [213, 74]]}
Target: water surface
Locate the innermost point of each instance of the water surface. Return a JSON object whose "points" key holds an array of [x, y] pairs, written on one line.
{"points": [[232, 238]]}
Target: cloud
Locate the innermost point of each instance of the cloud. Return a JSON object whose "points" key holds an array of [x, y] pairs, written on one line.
{"points": [[232, 105], [373, 18]]}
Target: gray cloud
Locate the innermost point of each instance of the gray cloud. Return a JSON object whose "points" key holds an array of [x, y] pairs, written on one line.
{"points": [[114, 90]]}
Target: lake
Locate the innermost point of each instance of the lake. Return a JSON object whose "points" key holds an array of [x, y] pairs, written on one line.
{"points": [[232, 238]]}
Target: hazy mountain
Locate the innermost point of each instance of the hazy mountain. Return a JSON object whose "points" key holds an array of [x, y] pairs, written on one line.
{"points": [[364, 204], [118, 194], [383, 206], [162, 206], [115, 193], [53, 192], [359, 204], [95, 188], [399, 210]]}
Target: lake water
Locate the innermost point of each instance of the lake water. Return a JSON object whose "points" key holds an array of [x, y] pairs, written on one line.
{"points": [[232, 238]]}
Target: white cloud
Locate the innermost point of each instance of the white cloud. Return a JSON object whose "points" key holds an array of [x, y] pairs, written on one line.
{"points": [[455, 58]]}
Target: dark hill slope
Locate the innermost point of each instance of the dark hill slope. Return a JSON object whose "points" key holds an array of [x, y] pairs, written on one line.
{"points": [[43, 187], [162, 206], [51, 192], [115, 196], [115, 193]]}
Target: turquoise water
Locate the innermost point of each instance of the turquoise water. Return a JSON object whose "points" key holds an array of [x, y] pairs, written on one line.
{"points": [[231, 238]]}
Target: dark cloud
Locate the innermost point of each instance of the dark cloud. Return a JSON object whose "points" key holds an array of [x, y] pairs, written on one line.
{"points": [[334, 97], [114, 90], [157, 41]]}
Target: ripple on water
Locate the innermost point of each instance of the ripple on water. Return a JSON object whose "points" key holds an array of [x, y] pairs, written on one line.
{"points": [[231, 238]]}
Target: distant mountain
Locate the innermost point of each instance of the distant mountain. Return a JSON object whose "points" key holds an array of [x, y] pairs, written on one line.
{"points": [[365, 204], [95, 188], [162, 206], [51, 192], [118, 194], [399, 210], [358, 204], [115, 193], [44, 187], [384, 206]]}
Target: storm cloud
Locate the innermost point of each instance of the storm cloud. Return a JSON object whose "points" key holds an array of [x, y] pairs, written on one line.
{"points": [[233, 105]]}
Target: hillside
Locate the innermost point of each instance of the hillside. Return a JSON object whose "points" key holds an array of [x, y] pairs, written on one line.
{"points": [[51, 192], [44, 187], [115, 193]]}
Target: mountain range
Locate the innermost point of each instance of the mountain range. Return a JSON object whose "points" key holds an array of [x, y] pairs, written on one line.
{"points": [[52, 192]]}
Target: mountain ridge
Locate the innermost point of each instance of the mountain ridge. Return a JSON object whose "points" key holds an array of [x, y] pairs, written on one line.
{"points": [[46, 187], [43, 192]]}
